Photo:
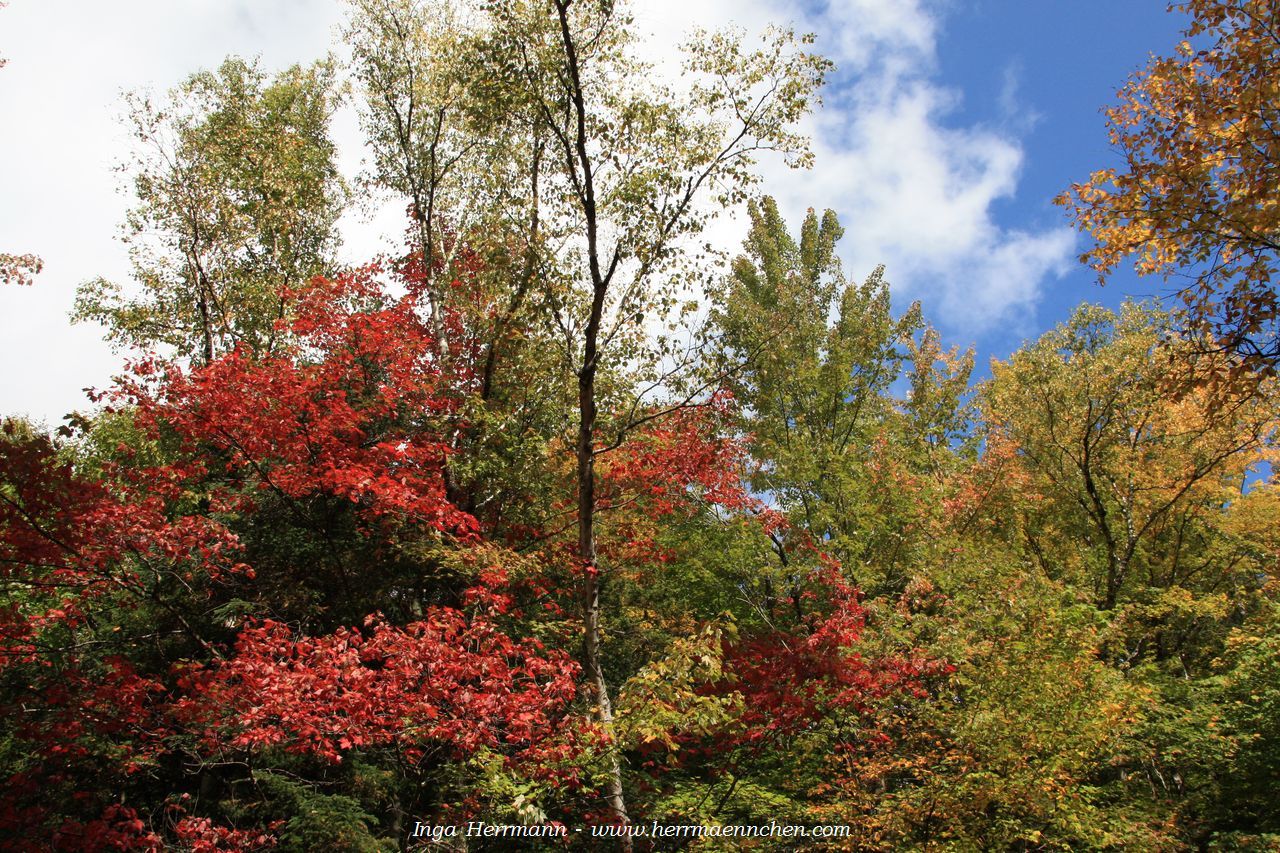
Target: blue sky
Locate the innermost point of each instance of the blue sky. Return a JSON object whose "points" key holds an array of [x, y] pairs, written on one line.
{"points": [[1067, 59], [948, 128]]}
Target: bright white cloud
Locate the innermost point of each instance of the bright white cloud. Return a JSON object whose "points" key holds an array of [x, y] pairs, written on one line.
{"points": [[917, 195], [59, 198], [886, 39], [915, 191]]}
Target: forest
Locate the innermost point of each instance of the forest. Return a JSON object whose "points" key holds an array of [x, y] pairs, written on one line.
{"points": [[565, 516]]}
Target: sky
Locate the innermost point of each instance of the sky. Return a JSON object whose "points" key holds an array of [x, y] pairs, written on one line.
{"points": [[947, 129]]}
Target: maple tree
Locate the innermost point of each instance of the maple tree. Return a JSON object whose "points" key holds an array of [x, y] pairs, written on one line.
{"points": [[169, 532], [1195, 194]]}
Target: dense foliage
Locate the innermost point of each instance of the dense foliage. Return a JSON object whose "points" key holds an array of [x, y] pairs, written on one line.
{"points": [[508, 528]]}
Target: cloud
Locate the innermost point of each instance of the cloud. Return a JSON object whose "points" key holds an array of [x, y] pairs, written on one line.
{"points": [[918, 196], [914, 190], [59, 198], [1014, 113], [884, 39]]}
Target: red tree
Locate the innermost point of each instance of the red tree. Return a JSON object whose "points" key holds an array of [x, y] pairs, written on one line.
{"points": [[354, 412]]}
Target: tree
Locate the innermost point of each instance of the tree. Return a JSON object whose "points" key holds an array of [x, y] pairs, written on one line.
{"points": [[249, 610], [814, 360], [267, 525], [1199, 133], [1014, 745], [627, 160], [429, 145], [471, 173], [346, 461], [1127, 472], [1002, 732], [1142, 506], [237, 198]]}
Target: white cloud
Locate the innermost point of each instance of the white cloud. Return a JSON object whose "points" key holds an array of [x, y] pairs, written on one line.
{"points": [[886, 39], [917, 195], [1013, 112], [60, 96], [914, 190]]}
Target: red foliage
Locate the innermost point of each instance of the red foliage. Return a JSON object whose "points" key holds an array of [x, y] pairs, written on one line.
{"points": [[355, 407], [69, 541], [677, 465], [119, 828], [445, 682], [35, 828], [790, 679], [362, 404], [347, 410], [201, 835], [680, 461]]}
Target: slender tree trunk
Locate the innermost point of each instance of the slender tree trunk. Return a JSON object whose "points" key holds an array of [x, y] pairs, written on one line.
{"points": [[577, 151], [591, 639], [206, 335]]}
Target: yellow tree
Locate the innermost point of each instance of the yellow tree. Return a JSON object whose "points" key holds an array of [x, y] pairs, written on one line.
{"points": [[1141, 509], [1196, 195], [1133, 490]]}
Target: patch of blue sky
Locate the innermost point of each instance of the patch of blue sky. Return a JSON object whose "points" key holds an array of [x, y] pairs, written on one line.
{"points": [[1045, 70]]}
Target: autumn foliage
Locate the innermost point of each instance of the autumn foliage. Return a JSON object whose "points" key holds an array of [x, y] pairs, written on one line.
{"points": [[154, 628], [1195, 194], [507, 529]]}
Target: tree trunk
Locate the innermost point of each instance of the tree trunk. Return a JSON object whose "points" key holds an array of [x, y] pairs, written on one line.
{"points": [[591, 640], [577, 150]]}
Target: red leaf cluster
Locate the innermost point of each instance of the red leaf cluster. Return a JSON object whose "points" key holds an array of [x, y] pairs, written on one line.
{"points": [[790, 680], [201, 835], [352, 408], [679, 460], [444, 682]]}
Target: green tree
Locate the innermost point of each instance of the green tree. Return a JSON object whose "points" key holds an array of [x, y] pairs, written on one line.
{"points": [[837, 450], [1014, 748], [472, 174], [237, 196]]}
